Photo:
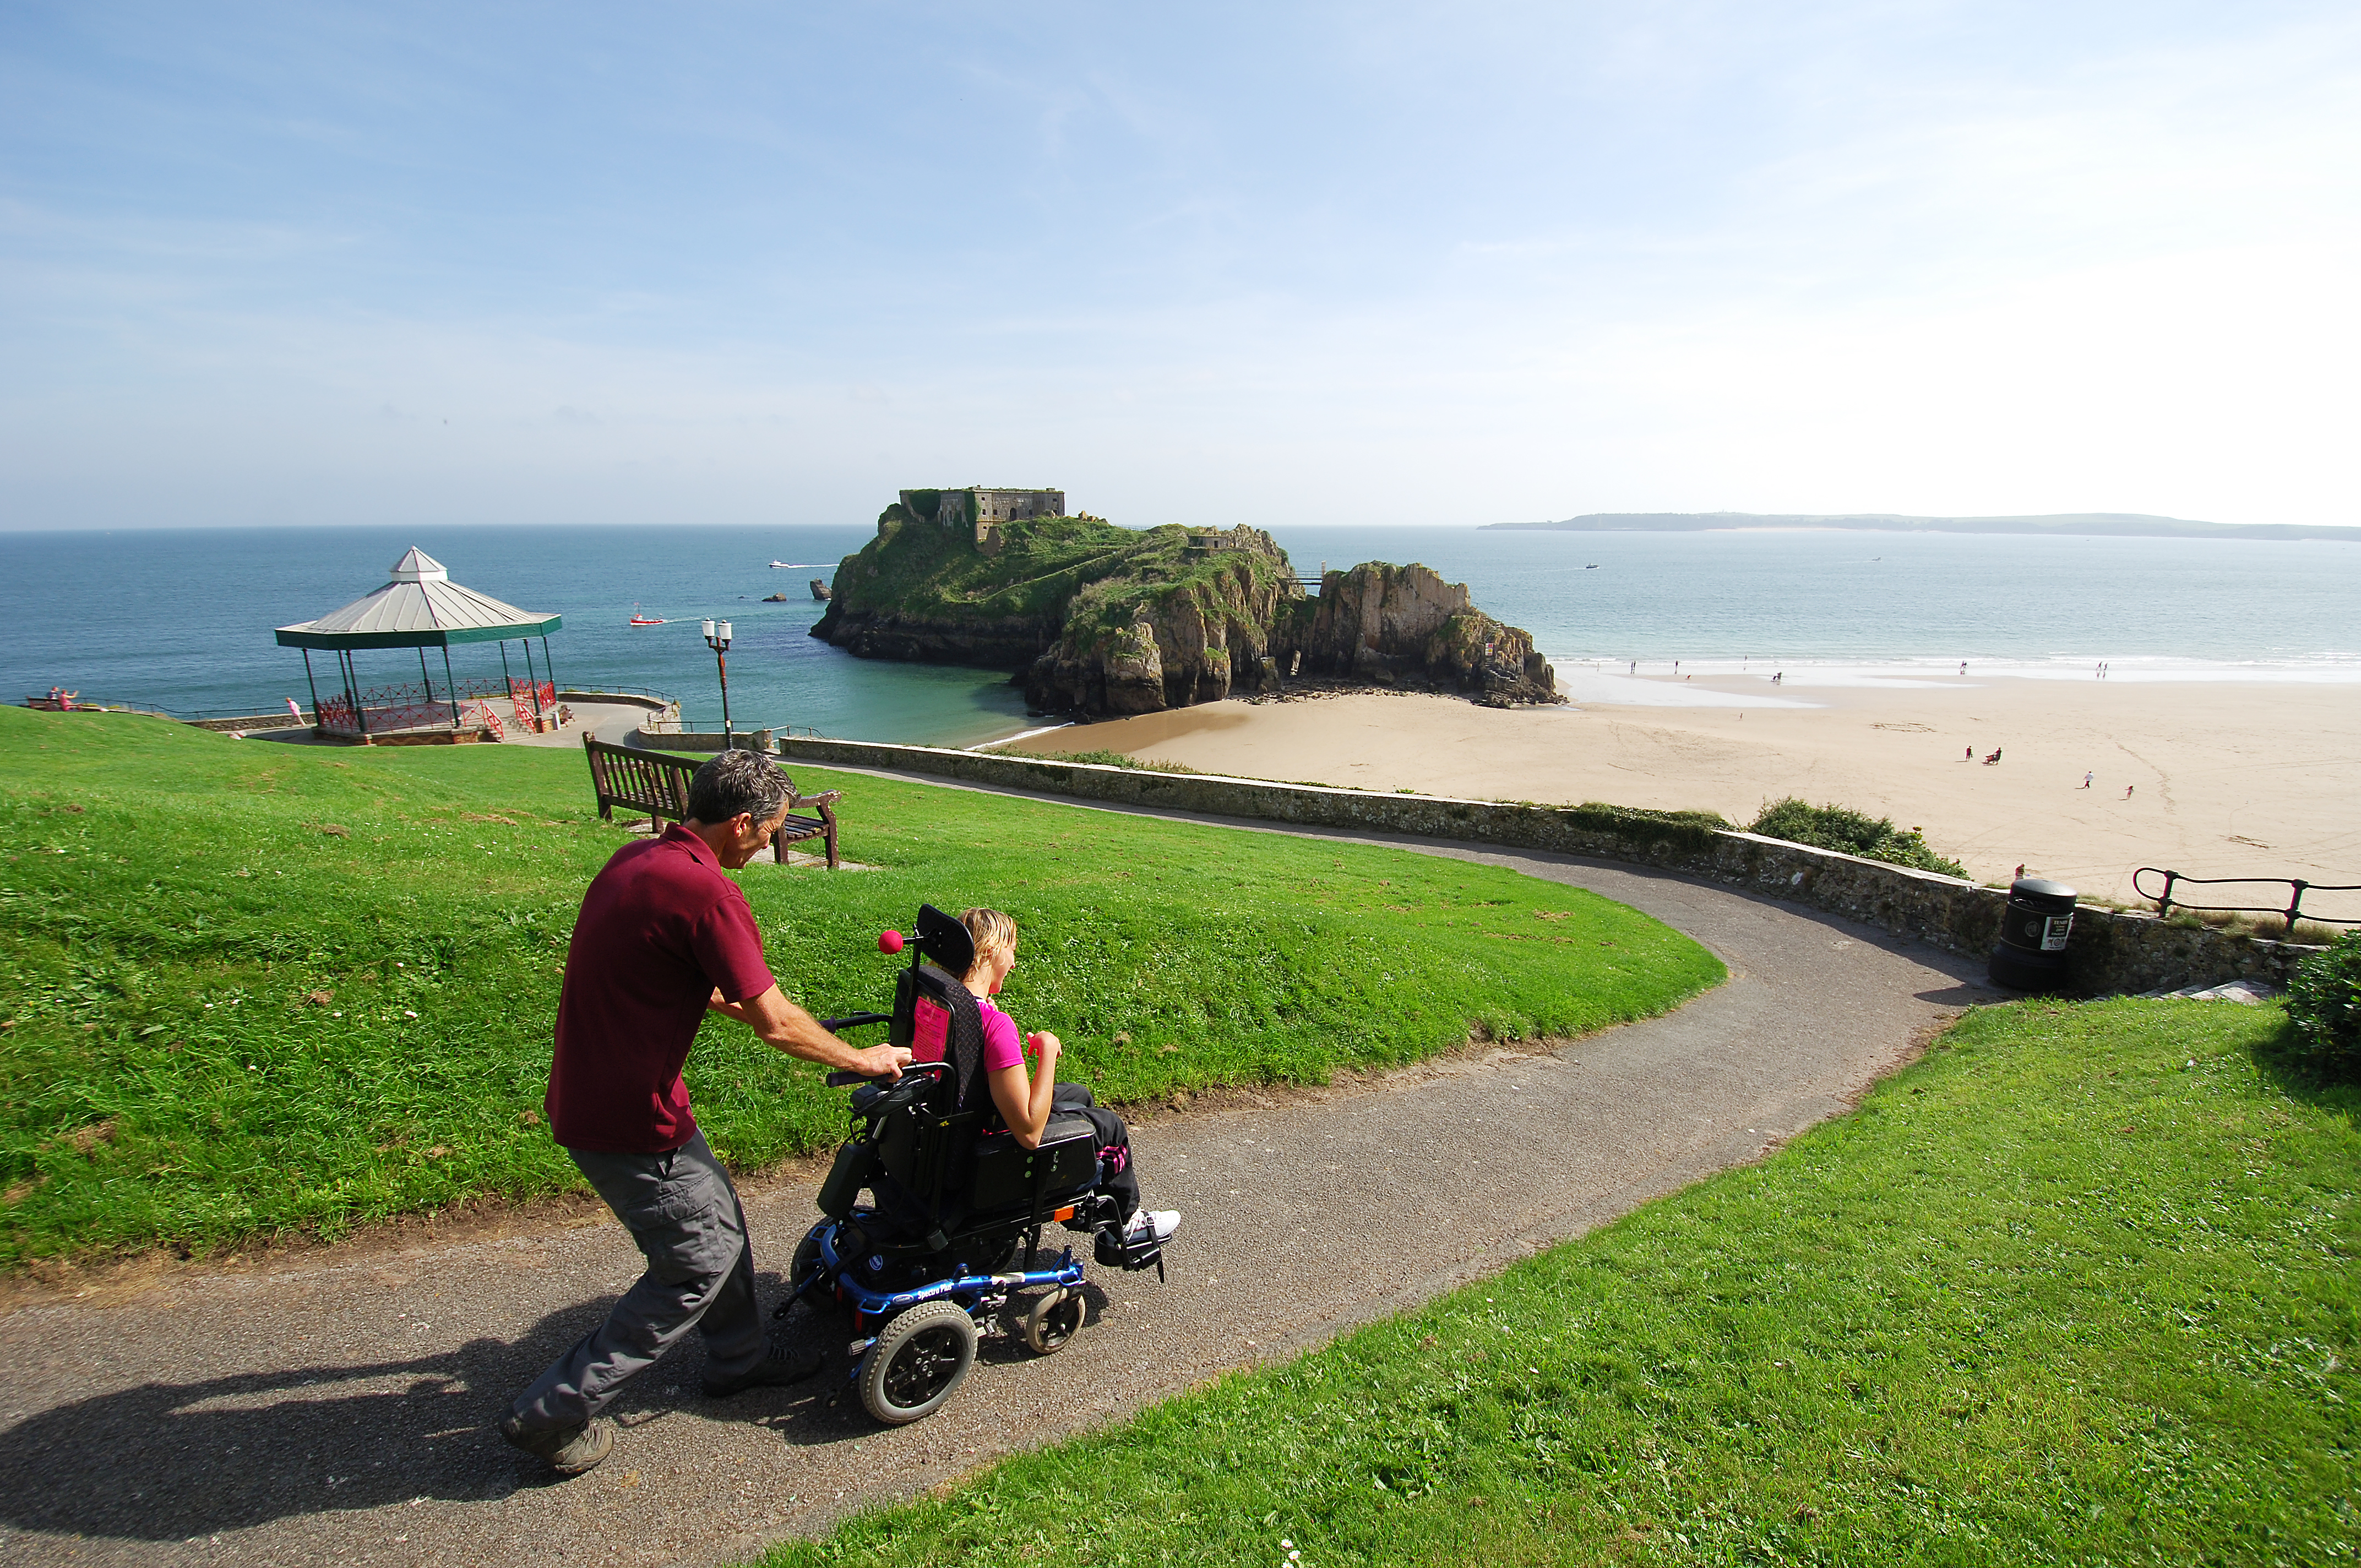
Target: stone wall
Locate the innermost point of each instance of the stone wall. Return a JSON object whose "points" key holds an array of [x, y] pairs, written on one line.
{"points": [[649, 740], [2111, 952], [280, 721]]}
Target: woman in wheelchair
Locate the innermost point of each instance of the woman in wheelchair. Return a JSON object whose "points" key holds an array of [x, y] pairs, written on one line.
{"points": [[1025, 1104]]}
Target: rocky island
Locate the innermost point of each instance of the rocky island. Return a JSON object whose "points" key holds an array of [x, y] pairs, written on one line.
{"points": [[1097, 619]]}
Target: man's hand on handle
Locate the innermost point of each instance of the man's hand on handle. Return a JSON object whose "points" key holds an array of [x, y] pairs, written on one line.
{"points": [[787, 1028]]}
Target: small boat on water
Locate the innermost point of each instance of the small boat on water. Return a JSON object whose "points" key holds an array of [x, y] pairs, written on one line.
{"points": [[639, 619], [1592, 567], [784, 566]]}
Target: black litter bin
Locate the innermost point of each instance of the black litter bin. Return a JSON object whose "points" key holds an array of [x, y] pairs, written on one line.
{"points": [[2031, 952]]}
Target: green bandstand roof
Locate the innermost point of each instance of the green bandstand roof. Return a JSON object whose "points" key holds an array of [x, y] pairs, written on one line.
{"points": [[421, 608]]}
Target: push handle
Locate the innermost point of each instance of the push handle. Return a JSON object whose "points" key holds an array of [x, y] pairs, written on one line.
{"points": [[854, 1021], [847, 1080]]}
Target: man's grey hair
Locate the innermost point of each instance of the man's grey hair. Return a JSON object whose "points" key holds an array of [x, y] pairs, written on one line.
{"points": [[732, 782]]}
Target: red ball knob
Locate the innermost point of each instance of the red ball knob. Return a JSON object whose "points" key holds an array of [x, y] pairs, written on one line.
{"points": [[891, 942]]}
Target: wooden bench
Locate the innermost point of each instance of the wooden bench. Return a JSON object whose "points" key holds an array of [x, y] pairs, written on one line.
{"points": [[657, 784]]}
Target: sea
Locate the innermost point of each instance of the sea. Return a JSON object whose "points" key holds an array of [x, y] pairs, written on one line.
{"points": [[180, 619]]}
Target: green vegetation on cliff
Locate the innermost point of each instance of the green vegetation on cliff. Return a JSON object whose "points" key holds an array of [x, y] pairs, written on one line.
{"points": [[1046, 569], [916, 569], [1092, 616], [248, 987]]}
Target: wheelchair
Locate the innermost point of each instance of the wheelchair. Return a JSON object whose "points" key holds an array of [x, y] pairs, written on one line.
{"points": [[951, 1227]]}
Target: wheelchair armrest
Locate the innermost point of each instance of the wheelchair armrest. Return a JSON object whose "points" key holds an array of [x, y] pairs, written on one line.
{"points": [[1063, 1127], [855, 1020]]}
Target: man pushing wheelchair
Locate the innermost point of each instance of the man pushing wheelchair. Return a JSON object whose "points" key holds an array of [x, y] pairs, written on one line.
{"points": [[663, 936]]}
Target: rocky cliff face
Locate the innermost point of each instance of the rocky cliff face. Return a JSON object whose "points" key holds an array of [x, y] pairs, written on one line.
{"points": [[1102, 620], [1137, 648], [908, 594], [1405, 626]]}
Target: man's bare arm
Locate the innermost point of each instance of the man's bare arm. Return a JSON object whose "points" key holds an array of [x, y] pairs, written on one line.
{"points": [[785, 1027]]}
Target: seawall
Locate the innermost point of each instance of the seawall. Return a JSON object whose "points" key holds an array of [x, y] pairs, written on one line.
{"points": [[2111, 951]]}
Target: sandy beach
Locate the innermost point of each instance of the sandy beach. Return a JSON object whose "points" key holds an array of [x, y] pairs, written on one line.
{"points": [[2226, 779]]}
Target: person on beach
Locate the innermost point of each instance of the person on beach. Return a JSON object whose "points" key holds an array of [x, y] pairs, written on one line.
{"points": [[2086, 781], [1970, 756], [1025, 1105], [662, 938], [2127, 792]]}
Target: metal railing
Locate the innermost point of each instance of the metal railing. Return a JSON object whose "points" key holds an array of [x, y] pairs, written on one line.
{"points": [[2296, 886], [622, 691]]}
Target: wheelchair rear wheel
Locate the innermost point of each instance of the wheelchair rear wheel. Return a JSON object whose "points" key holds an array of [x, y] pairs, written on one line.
{"points": [[1053, 1322], [918, 1361]]}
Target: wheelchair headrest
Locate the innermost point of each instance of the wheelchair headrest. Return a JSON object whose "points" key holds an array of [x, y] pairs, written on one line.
{"points": [[944, 942]]}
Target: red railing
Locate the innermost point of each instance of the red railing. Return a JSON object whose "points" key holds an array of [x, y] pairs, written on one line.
{"points": [[407, 705], [531, 699], [410, 705]]}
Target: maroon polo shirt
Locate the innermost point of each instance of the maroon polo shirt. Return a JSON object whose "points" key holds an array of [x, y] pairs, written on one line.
{"points": [[661, 928]]}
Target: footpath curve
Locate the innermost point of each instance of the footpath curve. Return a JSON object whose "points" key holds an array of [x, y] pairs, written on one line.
{"points": [[338, 1409]]}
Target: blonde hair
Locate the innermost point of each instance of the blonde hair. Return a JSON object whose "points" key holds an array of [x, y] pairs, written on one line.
{"points": [[993, 933]]}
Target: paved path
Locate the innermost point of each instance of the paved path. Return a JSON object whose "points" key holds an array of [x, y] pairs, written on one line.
{"points": [[337, 1412]]}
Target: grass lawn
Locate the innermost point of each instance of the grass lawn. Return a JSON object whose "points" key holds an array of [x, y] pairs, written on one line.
{"points": [[2077, 1287], [247, 987]]}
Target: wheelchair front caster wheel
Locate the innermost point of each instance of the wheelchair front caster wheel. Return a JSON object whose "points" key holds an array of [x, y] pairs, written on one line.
{"points": [[821, 1298], [917, 1363], [1053, 1322]]}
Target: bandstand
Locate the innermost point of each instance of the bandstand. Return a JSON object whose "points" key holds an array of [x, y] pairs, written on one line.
{"points": [[421, 607]]}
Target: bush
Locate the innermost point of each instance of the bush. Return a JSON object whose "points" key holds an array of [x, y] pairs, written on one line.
{"points": [[1101, 758], [1692, 831], [1851, 832], [2325, 1004]]}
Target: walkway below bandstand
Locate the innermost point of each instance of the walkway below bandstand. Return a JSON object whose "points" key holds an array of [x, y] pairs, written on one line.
{"points": [[611, 721], [337, 1405]]}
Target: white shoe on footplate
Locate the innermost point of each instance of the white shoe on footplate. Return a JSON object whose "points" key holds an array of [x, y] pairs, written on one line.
{"points": [[1151, 1227]]}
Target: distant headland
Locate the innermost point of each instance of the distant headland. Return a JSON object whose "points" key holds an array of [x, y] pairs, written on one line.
{"points": [[1097, 619], [2119, 525]]}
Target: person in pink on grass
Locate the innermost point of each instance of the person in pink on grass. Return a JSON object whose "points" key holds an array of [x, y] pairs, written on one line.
{"points": [[1026, 1103]]}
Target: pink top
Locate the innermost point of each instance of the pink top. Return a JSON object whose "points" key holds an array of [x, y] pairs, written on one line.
{"points": [[1002, 1046]]}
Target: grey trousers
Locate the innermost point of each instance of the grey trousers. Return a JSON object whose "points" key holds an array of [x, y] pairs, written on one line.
{"points": [[683, 1213]]}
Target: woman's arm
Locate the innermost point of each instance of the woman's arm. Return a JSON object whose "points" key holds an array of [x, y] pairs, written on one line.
{"points": [[1026, 1107]]}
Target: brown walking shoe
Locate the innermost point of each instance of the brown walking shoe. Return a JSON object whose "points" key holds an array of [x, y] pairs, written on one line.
{"points": [[570, 1450]]}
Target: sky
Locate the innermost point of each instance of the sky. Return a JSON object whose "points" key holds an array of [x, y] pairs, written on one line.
{"points": [[736, 263]]}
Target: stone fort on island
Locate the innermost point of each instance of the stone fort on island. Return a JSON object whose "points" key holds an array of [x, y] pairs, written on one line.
{"points": [[981, 509]]}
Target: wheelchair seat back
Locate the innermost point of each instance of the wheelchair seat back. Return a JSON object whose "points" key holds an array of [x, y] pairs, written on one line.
{"points": [[940, 1147], [936, 1018]]}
